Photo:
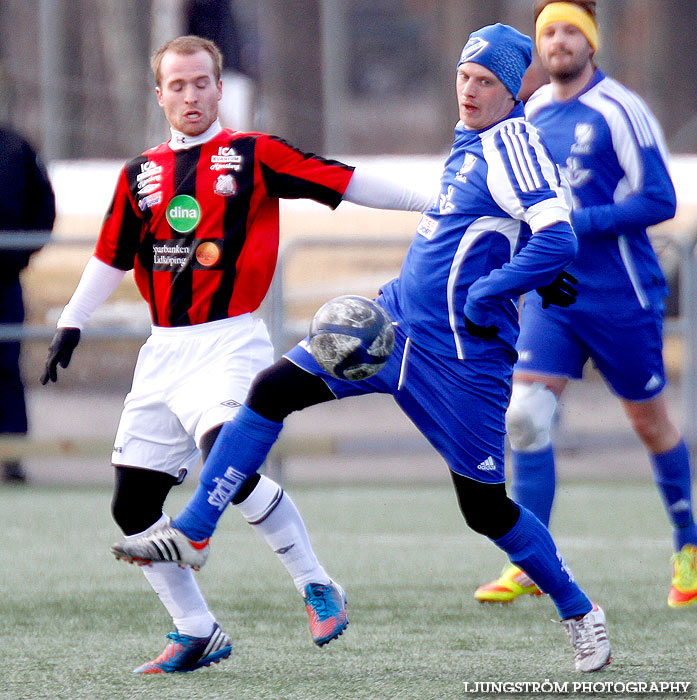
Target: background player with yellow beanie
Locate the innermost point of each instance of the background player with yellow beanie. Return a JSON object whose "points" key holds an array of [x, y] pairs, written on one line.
{"points": [[611, 150]]}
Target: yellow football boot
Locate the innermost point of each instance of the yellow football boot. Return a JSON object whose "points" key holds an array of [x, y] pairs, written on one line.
{"points": [[512, 583], [683, 587]]}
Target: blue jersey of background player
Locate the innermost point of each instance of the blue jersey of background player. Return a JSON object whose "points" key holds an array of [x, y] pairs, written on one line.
{"points": [[451, 368], [611, 149]]}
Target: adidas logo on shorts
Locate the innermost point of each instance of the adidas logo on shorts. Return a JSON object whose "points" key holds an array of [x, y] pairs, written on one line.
{"points": [[487, 465], [653, 383]]}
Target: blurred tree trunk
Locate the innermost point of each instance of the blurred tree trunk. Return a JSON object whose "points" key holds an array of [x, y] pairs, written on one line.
{"points": [[671, 71], [166, 22], [291, 72], [125, 44], [458, 18], [650, 47], [33, 75]]}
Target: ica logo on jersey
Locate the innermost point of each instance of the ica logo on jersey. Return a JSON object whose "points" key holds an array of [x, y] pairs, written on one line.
{"points": [[226, 159]]}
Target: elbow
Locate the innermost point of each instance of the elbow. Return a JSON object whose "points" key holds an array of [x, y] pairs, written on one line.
{"points": [[663, 206], [668, 208]]}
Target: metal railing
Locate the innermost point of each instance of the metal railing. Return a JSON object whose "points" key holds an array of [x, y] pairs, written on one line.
{"points": [[684, 247], [284, 331], [686, 326], [10, 240]]}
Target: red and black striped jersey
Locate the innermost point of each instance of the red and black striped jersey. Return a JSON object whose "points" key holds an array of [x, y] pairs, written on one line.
{"points": [[200, 227]]}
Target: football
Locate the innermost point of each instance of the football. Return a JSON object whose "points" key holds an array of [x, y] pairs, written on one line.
{"points": [[351, 337]]}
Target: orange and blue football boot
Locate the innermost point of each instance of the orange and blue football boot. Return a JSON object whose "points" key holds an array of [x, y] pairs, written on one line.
{"points": [[512, 583], [683, 587], [184, 653], [326, 608]]}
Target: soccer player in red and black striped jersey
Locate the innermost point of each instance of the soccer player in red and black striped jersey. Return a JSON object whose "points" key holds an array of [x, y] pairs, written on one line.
{"points": [[197, 220]]}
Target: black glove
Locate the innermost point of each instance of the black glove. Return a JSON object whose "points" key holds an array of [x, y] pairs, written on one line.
{"points": [[560, 291], [59, 352], [485, 332]]}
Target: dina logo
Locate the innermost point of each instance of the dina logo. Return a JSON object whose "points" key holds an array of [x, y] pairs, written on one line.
{"points": [[473, 48], [183, 213]]}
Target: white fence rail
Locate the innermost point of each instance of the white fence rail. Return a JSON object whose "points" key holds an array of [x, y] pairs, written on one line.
{"points": [[285, 331]]}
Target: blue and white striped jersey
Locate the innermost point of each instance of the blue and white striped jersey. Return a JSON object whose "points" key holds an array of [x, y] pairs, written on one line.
{"points": [[473, 252], [611, 150]]}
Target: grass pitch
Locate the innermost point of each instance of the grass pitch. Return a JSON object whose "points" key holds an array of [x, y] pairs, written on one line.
{"points": [[75, 622]]}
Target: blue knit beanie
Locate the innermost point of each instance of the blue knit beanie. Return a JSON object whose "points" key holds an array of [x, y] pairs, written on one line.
{"points": [[503, 50]]}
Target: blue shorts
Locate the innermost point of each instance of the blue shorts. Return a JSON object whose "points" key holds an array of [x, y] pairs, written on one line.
{"points": [[459, 406], [626, 346]]}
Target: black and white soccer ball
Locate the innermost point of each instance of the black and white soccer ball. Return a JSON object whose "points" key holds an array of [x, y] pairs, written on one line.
{"points": [[351, 337]]}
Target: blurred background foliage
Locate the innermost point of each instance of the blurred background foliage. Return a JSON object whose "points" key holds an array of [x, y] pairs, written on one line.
{"points": [[331, 76]]}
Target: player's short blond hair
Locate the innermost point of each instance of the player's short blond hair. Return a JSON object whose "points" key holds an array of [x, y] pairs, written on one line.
{"points": [[188, 44]]}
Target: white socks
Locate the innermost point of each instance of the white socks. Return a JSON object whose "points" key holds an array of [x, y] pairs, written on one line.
{"points": [[272, 513], [179, 593]]}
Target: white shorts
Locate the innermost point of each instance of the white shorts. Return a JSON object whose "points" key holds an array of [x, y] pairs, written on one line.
{"points": [[187, 381]]}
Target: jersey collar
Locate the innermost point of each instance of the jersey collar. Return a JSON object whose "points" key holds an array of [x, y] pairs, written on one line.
{"points": [[180, 141]]}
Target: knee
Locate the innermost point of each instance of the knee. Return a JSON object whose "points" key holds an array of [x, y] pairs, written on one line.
{"points": [[283, 388], [486, 507], [132, 515], [495, 520], [529, 417], [657, 436], [264, 390], [129, 515], [648, 432], [139, 496]]}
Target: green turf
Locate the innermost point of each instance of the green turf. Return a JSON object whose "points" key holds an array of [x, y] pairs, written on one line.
{"points": [[75, 622]]}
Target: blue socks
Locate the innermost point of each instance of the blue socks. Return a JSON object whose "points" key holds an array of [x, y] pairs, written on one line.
{"points": [[672, 474], [530, 546], [533, 481], [238, 452], [533, 485]]}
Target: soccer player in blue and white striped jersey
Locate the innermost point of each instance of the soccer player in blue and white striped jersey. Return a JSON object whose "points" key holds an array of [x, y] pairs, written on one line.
{"points": [[500, 227], [611, 150]]}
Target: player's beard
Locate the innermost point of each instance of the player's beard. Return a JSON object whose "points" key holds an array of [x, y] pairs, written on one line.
{"points": [[570, 72]]}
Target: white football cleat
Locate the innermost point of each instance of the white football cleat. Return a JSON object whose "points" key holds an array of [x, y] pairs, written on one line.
{"points": [[163, 543], [588, 636]]}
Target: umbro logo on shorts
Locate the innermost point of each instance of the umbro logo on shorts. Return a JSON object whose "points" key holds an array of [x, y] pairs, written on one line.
{"points": [[230, 403]]}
